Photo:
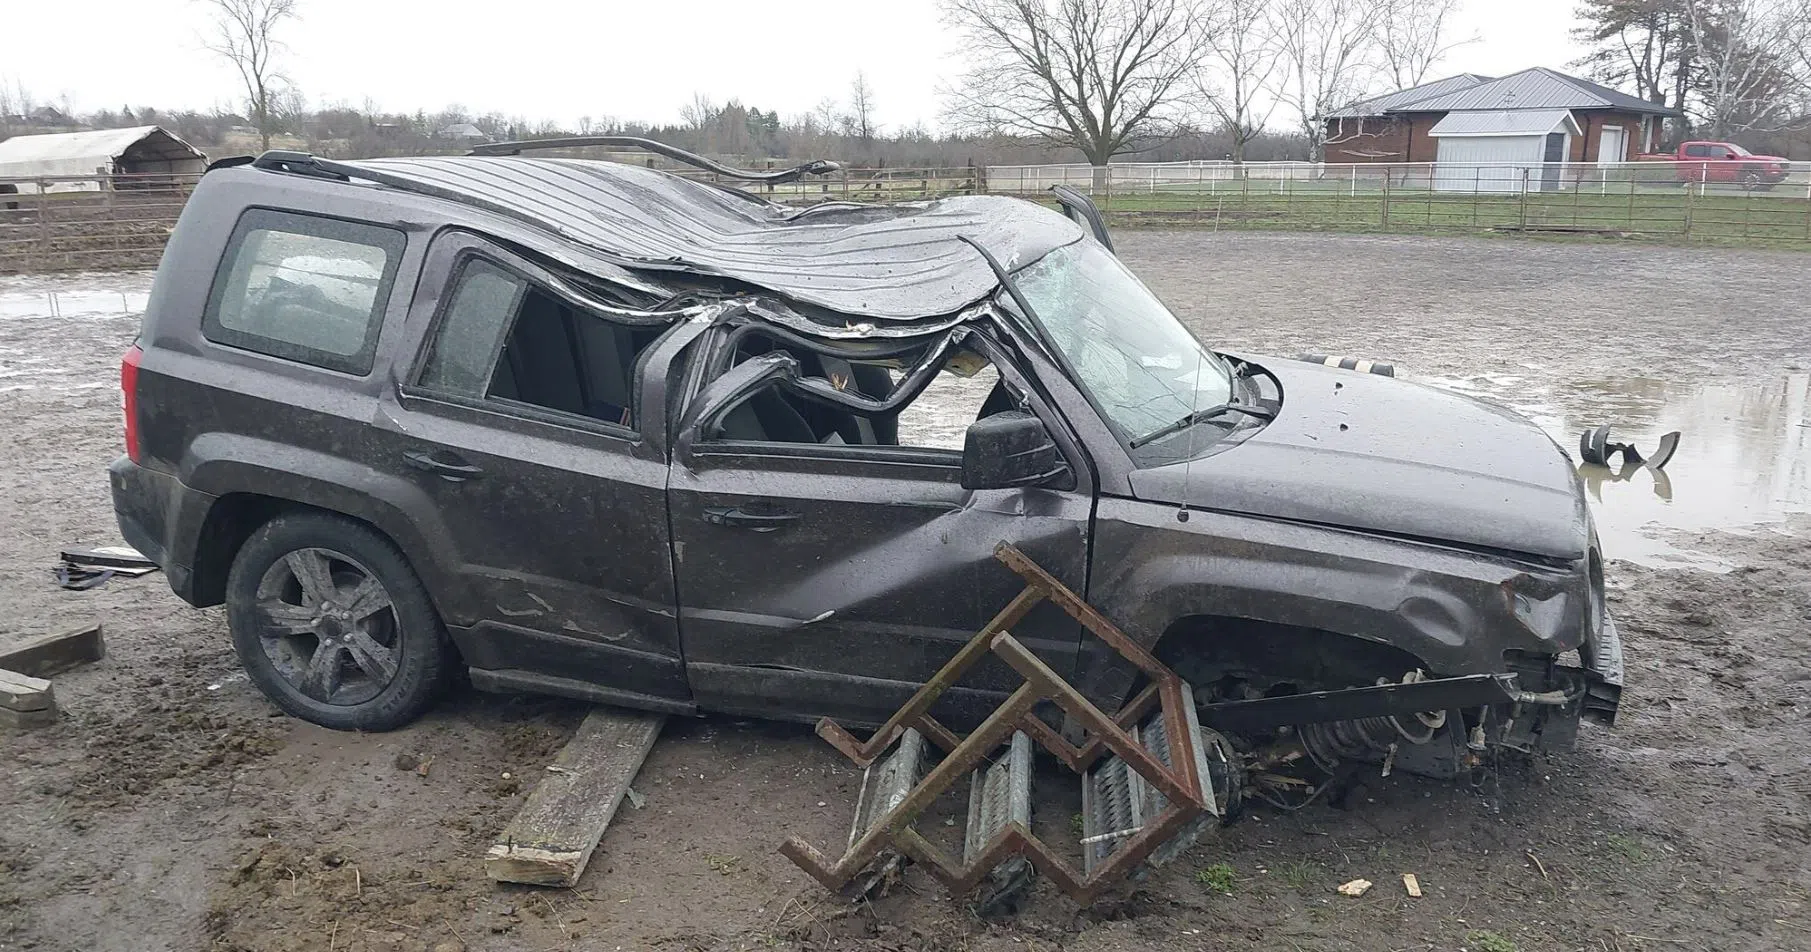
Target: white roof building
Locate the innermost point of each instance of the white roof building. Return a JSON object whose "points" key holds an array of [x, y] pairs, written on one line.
{"points": [[142, 150]]}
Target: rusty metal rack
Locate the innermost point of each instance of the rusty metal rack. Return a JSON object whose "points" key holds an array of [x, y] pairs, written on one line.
{"points": [[1143, 766]]}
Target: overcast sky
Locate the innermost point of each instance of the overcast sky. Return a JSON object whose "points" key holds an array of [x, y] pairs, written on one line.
{"points": [[557, 59]]}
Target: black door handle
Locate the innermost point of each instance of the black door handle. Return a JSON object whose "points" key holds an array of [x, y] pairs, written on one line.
{"points": [[453, 469], [761, 520]]}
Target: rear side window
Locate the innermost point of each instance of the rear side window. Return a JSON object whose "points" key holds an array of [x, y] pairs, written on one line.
{"points": [[304, 288]]}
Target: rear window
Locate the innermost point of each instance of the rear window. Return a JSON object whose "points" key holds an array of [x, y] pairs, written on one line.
{"points": [[304, 288]]}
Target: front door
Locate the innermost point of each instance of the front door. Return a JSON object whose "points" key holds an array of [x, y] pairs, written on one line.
{"points": [[826, 569], [1554, 158], [520, 422]]}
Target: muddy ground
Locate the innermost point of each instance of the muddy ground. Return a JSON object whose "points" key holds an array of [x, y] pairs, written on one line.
{"points": [[173, 809]]}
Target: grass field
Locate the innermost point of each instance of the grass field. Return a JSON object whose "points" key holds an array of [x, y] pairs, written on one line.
{"points": [[1758, 218]]}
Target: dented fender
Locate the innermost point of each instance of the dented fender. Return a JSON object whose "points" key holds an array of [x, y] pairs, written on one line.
{"points": [[1456, 610]]}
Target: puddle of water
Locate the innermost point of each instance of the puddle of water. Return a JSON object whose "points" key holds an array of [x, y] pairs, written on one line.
{"points": [[1744, 456], [23, 305]]}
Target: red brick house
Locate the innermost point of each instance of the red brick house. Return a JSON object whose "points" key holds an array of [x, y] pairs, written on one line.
{"points": [[1534, 116]]}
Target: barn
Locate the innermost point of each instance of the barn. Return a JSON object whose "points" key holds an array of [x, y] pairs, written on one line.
{"points": [[1470, 123], [89, 161]]}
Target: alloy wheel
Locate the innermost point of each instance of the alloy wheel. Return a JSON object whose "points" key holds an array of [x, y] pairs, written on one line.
{"points": [[328, 626]]}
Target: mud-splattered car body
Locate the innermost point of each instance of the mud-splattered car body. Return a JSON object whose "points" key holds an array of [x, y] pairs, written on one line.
{"points": [[722, 516]]}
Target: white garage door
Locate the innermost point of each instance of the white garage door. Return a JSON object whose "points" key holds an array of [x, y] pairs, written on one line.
{"points": [[1485, 163]]}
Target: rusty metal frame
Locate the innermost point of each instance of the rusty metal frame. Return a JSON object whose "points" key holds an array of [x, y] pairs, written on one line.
{"points": [[1180, 784]]}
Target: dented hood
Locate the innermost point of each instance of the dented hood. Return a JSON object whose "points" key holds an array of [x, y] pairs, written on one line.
{"points": [[1365, 452]]}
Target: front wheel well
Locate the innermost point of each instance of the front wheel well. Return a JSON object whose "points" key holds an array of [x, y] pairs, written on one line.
{"points": [[1226, 658]]}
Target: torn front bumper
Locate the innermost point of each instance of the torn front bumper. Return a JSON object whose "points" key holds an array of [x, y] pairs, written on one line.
{"points": [[1602, 657], [1561, 696]]}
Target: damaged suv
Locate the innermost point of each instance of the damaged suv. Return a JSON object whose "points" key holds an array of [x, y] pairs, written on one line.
{"points": [[601, 431]]}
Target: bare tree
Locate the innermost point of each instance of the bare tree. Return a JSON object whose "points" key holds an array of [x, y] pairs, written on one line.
{"points": [[826, 116], [859, 121], [1329, 59], [1098, 76], [1412, 37], [245, 34], [1242, 56], [1749, 63], [701, 113]]}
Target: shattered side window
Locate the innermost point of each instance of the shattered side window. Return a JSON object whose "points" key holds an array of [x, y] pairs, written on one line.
{"points": [[472, 332], [941, 415], [936, 419]]}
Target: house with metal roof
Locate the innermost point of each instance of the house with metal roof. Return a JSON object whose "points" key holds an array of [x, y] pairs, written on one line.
{"points": [[1537, 117]]}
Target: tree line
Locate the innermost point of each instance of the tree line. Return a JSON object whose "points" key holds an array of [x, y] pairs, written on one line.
{"points": [[1733, 67], [1051, 80]]}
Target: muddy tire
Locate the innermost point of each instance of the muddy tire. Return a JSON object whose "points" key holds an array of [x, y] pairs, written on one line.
{"points": [[333, 625]]}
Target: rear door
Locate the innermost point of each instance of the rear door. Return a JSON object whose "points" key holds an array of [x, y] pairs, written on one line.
{"points": [[826, 570], [520, 421]]}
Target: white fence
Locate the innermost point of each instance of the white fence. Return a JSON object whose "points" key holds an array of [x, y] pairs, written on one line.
{"points": [[53, 223], [1760, 177]]}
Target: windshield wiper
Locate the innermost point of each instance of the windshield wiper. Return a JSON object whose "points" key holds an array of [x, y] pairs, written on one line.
{"points": [[1201, 416]]}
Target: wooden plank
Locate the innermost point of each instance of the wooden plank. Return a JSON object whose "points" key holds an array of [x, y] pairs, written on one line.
{"points": [[44, 655], [20, 692], [551, 839]]}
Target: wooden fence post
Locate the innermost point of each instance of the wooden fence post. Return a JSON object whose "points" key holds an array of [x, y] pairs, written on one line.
{"points": [[43, 222]]}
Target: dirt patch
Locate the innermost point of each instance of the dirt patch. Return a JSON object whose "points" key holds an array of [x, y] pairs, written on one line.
{"points": [[170, 809]]}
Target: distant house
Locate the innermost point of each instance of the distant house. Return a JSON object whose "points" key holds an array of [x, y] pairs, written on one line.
{"points": [[462, 132], [89, 161], [1532, 117], [49, 116]]}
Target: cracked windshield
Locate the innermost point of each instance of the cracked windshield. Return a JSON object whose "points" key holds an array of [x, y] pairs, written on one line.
{"points": [[1142, 367]]}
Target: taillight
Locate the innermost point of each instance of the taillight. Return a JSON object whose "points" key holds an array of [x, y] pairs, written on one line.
{"points": [[128, 387]]}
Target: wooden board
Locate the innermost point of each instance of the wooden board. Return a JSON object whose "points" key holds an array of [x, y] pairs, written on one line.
{"points": [[551, 839], [41, 656], [20, 692]]}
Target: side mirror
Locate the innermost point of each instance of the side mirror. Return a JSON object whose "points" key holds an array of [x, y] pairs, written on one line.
{"points": [[1009, 450]]}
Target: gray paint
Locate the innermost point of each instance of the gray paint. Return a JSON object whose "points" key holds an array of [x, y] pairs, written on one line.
{"points": [[1381, 455], [586, 562]]}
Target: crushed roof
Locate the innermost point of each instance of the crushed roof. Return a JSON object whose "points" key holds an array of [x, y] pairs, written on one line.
{"points": [[885, 262]]}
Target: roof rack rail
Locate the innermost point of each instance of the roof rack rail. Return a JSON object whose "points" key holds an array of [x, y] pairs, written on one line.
{"points": [[778, 176], [299, 163]]}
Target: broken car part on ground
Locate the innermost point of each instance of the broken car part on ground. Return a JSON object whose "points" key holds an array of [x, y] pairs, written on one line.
{"points": [[601, 431]]}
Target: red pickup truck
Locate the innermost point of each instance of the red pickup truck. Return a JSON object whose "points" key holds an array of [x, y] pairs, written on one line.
{"points": [[1723, 163]]}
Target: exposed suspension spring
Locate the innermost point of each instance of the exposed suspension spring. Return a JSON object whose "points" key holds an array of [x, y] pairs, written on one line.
{"points": [[1332, 742]]}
